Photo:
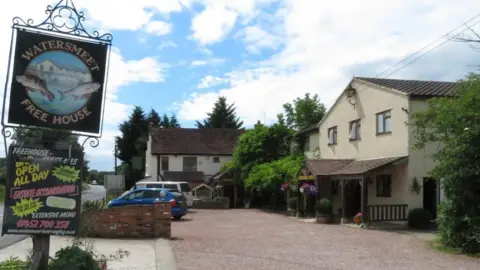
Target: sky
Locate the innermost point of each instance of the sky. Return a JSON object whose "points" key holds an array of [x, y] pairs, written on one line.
{"points": [[178, 56]]}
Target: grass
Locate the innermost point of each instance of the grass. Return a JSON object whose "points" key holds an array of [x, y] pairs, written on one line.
{"points": [[2, 194], [438, 245]]}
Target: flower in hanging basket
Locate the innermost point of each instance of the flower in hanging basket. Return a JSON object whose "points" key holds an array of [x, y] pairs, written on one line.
{"points": [[309, 189]]}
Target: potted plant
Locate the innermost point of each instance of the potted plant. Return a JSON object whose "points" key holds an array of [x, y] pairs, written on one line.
{"points": [[324, 209]]}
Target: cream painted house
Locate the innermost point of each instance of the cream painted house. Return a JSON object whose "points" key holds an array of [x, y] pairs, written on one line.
{"points": [[192, 155], [367, 161], [310, 138]]}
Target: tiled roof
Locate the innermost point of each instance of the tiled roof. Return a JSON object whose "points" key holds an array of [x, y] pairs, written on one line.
{"points": [[308, 129], [190, 141], [347, 166], [326, 166], [363, 166], [415, 87]]}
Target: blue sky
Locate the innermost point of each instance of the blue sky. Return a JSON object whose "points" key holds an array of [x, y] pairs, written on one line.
{"points": [[178, 56]]}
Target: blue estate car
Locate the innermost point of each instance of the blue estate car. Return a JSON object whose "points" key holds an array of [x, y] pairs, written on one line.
{"points": [[177, 201]]}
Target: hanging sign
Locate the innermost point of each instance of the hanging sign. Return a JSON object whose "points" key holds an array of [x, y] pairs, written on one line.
{"points": [[43, 193], [57, 82]]}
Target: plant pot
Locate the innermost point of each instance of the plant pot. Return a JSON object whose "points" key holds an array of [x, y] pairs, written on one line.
{"points": [[324, 219]]}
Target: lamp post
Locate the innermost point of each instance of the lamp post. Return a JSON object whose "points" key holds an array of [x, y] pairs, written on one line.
{"points": [[115, 156]]}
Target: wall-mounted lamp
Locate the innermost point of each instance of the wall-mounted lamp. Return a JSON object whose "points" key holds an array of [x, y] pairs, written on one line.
{"points": [[350, 94]]}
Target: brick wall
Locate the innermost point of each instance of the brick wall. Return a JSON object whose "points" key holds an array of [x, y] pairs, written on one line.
{"points": [[132, 221]]}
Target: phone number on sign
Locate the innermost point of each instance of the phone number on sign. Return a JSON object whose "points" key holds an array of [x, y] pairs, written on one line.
{"points": [[43, 224]]}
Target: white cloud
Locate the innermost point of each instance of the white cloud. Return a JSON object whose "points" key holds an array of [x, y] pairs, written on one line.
{"points": [[256, 39], [322, 41], [158, 28], [210, 81], [167, 44], [218, 18], [207, 62], [122, 71]]}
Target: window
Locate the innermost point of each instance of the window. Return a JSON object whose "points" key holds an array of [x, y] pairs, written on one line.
{"points": [[354, 130], [150, 194], [154, 185], [189, 164], [216, 160], [165, 164], [332, 135], [384, 122], [384, 185], [135, 195], [170, 186]]}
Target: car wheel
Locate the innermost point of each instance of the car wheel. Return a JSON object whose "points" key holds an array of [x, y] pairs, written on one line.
{"points": [[177, 217]]}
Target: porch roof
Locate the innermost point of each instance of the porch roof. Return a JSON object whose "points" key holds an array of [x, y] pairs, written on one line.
{"points": [[326, 166], [362, 166]]}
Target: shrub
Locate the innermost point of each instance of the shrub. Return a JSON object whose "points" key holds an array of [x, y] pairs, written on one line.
{"points": [[419, 218], [93, 205], [73, 255], [14, 263], [292, 203], [324, 207]]}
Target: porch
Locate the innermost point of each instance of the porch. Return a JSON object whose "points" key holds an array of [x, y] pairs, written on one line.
{"points": [[377, 188]]}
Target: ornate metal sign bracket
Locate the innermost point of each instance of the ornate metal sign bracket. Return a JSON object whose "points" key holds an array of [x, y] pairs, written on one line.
{"points": [[65, 19]]}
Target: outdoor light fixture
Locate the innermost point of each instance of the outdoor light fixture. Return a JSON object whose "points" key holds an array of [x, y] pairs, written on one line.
{"points": [[350, 94]]}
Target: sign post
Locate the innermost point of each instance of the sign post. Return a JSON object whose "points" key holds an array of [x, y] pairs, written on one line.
{"points": [[56, 84]]}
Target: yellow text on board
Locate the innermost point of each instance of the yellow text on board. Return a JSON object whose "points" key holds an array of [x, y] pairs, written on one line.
{"points": [[27, 172]]}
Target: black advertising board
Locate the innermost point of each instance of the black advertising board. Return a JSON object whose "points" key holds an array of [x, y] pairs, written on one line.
{"points": [[43, 193], [57, 82]]}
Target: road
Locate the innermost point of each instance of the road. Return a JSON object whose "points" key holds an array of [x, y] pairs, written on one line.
{"points": [[96, 192]]}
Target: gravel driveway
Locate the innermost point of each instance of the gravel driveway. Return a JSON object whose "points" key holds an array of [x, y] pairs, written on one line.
{"points": [[251, 239]]}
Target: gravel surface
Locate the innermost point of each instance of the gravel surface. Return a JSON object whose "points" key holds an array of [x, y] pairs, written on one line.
{"points": [[254, 240]]}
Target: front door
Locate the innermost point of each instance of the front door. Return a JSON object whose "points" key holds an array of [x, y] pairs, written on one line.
{"points": [[430, 195]]}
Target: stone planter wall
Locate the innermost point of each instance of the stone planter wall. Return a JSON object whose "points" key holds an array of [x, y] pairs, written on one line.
{"points": [[132, 221], [223, 203]]}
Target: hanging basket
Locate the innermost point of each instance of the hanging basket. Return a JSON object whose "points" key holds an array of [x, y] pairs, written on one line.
{"points": [[309, 189]]}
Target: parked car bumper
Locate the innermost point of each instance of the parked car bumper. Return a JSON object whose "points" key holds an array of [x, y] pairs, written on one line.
{"points": [[179, 211]]}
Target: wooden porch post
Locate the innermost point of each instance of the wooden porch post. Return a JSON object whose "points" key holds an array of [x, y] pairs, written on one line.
{"points": [[342, 219], [364, 185]]}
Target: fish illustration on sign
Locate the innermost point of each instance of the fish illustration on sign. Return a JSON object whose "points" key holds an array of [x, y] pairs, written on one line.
{"points": [[84, 90], [34, 83]]}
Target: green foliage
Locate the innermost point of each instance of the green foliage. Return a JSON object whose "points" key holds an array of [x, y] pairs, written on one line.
{"points": [[419, 218], [81, 256], [324, 207], [14, 263], [74, 256], [96, 205], [170, 122], [304, 112], [292, 203], [269, 176], [223, 115], [454, 124], [154, 118], [259, 145]]}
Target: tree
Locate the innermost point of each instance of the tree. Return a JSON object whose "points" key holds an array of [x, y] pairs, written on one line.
{"points": [[154, 118], [222, 115], [454, 124], [259, 145], [304, 112], [133, 143], [170, 122]]}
